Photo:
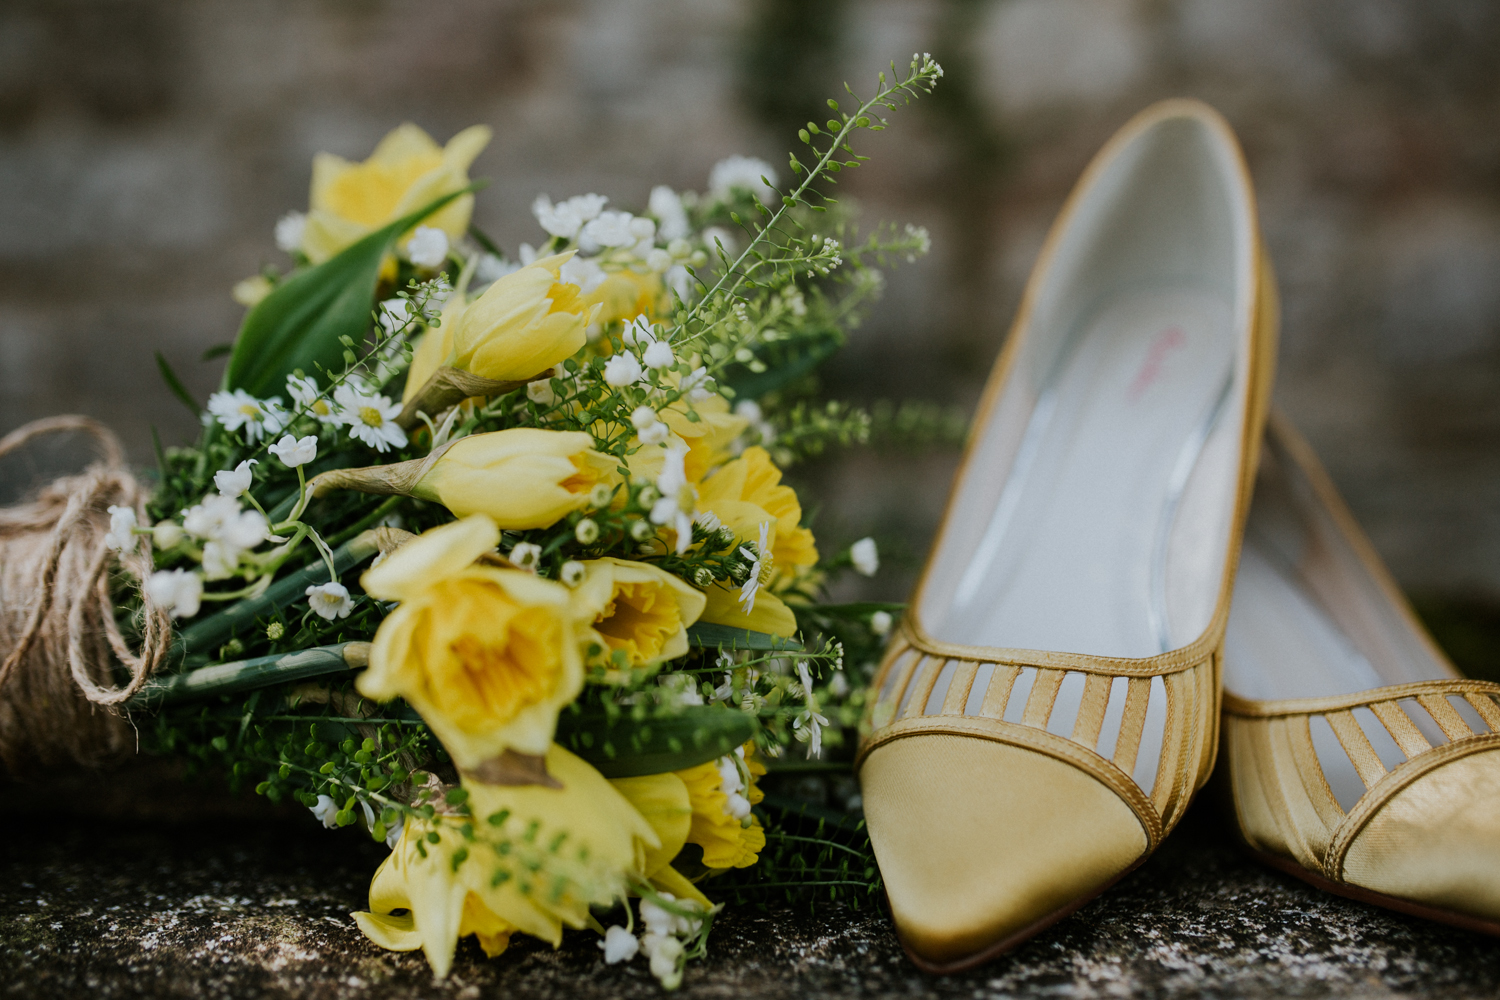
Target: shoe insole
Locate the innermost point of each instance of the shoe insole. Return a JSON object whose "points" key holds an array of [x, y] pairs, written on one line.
{"points": [[1074, 556], [1282, 643]]}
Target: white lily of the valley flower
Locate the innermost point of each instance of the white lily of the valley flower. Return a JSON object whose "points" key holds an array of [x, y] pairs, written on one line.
{"points": [[221, 519], [751, 585], [619, 945], [428, 247], [540, 392], [865, 556], [289, 230], [177, 590], [122, 525], [676, 498], [307, 398], [326, 811], [370, 417], [666, 954], [566, 218], [659, 355], [234, 482], [622, 369], [295, 451], [238, 409], [330, 600], [880, 623]]}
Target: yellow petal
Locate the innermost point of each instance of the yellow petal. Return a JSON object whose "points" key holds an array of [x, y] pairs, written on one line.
{"points": [[432, 556], [770, 615], [662, 800], [637, 607]]}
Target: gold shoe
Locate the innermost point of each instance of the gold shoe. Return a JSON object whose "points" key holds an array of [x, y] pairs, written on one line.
{"points": [[1050, 703], [1357, 758]]}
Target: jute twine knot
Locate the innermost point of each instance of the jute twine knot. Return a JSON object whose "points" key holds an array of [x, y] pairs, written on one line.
{"points": [[59, 641]]}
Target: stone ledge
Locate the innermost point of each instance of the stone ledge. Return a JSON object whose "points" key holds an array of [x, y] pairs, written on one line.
{"points": [[215, 909]]}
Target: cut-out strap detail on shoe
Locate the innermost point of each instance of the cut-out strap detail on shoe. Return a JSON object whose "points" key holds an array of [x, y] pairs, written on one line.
{"points": [[1155, 731], [1309, 774]]}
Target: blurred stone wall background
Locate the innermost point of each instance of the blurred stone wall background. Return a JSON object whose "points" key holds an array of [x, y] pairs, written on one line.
{"points": [[147, 147]]}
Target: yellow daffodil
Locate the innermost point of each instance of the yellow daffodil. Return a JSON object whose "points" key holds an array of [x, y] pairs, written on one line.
{"points": [[636, 607], [523, 324], [624, 295], [769, 615], [406, 171], [721, 793], [448, 895], [754, 479], [487, 656], [708, 438], [664, 802], [522, 478]]}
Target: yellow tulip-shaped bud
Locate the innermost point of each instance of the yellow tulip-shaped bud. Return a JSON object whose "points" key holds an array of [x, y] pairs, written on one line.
{"points": [[429, 897], [637, 608], [523, 324], [522, 478], [406, 171], [487, 656]]}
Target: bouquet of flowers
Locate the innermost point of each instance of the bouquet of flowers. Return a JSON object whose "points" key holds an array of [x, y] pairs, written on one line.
{"points": [[489, 555]]}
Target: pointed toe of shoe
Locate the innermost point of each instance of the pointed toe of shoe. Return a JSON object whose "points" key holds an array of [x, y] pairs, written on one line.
{"points": [[982, 844], [1436, 842]]}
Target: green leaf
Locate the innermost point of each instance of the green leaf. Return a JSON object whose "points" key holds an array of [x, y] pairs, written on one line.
{"points": [[175, 384], [299, 324], [727, 637], [654, 745], [243, 675]]}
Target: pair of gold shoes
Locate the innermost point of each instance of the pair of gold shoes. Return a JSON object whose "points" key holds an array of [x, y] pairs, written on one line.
{"points": [[1088, 635]]}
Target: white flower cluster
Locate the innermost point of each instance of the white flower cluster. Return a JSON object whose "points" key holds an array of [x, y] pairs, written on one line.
{"points": [[662, 941], [369, 416]]}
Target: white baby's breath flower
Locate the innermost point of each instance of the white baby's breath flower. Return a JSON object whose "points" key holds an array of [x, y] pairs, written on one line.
{"points": [[642, 417], [330, 600], [658, 259], [566, 218], [619, 945], [295, 451], [370, 418], [166, 534], [622, 369], [527, 556], [234, 482], [587, 530], [880, 623], [177, 590], [428, 247], [289, 230], [584, 272], [572, 573], [742, 172], [639, 332], [122, 525], [865, 556], [239, 410], [326, 811], [655, 434], [671, 218]]}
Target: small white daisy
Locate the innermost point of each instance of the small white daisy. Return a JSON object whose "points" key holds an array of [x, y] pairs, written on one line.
{"points": [[371, 418], [239, 410], [308, 398]]}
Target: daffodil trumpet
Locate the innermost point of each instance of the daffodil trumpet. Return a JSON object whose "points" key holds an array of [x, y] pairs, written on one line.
{"points": [[450, 386]]}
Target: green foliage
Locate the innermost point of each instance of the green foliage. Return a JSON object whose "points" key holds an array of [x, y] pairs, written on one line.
{"points": [[623, 743], [301, 324]]}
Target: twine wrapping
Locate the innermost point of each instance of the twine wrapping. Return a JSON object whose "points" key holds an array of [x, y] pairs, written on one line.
{"points": [[59, 642]]}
